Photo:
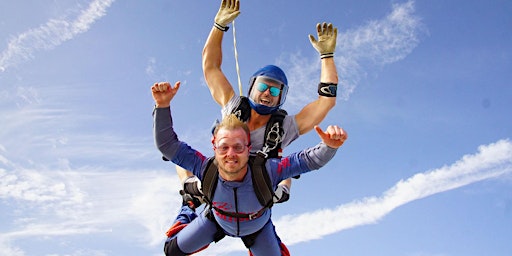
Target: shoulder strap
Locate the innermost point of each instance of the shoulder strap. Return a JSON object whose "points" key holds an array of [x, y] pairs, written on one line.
{"points": [[274, 134], [209, 182], [261, 180], [243, 110]]}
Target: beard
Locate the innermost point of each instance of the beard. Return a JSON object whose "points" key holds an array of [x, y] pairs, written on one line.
{"points": [[232, 171]]}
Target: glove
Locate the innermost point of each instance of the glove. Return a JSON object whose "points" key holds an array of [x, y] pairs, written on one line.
{"points": [[191, 201], [326, 44], [228, 11], [192, 185], [282, 194]]}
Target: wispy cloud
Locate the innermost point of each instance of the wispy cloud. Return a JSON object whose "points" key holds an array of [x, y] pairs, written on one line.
{"points": [[51, 34], [377, 43], [489, 162], [134, 204]]}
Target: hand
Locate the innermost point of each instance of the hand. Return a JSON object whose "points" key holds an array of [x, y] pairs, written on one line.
{"points": [[228, 11], [163, 93], [333, 137], [282, 194], [327, 35], [192, 185]]}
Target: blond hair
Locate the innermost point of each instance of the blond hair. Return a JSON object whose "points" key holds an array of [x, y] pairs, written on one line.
{"points": [[230, 123]]}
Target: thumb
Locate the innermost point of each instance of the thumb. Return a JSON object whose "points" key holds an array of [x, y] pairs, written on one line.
{"points": [[321, 133], [312, 39], [177, 85]]}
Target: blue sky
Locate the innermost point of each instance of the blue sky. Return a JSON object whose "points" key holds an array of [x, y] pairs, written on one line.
{"points": [[425, 96]]}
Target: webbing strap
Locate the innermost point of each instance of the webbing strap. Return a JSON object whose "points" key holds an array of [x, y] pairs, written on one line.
{"points": [[261, 181], [209, 182], [274, 135]]}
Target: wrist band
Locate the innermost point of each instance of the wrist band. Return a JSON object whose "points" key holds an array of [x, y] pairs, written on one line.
{"points": [[327, 89], [220, 27], [327, 55]]}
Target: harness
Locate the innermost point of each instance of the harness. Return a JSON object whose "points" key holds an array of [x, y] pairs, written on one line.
{"points": [[262, 186], [273, 131], [260, 180]]}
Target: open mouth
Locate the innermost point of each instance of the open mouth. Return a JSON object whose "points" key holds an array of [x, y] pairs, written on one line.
{"points": [[265, 101]]}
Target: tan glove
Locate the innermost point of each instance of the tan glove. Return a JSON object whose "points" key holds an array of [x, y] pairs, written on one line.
{"points": [[326, 44], [228, 11]]}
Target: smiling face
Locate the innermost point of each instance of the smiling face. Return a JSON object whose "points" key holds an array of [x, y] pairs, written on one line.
{"points": [[266, 91], [232, 153], [231, 143]]}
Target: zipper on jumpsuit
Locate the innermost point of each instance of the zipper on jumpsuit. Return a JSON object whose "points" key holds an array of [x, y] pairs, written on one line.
{"points": [[236, 210]]}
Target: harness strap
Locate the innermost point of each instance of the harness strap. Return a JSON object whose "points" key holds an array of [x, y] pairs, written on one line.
{"points": [[220, 232], [243, 110], [209, 182], [238, 215], [261, 181], [274, 135]]}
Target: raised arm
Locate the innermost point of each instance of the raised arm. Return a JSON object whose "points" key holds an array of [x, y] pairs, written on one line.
{"points": [[219, 86], [313, 113]]}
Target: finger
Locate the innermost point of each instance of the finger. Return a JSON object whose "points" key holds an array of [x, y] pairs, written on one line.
{"points": [[153, 87], [163, 86], [312, 39], [329, 29]]}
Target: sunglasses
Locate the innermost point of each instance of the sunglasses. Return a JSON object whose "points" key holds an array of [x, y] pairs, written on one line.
{"points": [[274, 91]]}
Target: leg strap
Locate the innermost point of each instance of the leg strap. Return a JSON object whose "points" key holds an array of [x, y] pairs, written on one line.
{"points": [[220, 232]]}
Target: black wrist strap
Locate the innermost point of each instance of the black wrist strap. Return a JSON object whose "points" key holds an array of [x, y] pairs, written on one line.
{"points": [[327, 55], [327, 89], [220, 27]]}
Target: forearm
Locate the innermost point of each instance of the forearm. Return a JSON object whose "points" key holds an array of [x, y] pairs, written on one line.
{"points": [[317, 156], [166, 139], [313, 113], [328, 73], [212, 50], [220, 88], [183, 174]]}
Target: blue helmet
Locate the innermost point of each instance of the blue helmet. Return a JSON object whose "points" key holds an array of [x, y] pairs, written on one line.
{"points": [[274, 73]]}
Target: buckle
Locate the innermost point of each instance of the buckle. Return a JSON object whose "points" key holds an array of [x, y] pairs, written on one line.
{"points": [[262, 154], [254, 216]]}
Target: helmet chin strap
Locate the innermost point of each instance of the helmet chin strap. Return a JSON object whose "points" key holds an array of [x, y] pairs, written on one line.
{"points": [[262, 109]]}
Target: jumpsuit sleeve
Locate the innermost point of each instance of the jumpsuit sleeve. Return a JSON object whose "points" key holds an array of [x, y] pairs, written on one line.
{"points": [[176, 151], [301, 162]]}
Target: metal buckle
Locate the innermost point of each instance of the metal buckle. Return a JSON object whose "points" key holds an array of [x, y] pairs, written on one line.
{"points": [[253, 216]]}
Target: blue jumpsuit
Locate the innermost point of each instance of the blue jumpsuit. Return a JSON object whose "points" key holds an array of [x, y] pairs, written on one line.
{"points": [[233, 196]]}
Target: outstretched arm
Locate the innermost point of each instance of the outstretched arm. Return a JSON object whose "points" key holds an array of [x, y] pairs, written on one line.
{"points": [[313, 113], [219, 86]]}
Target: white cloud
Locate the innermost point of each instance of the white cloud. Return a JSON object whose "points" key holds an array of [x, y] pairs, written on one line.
{"points": [[132, 203], [51, 34], [491, 161]]}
